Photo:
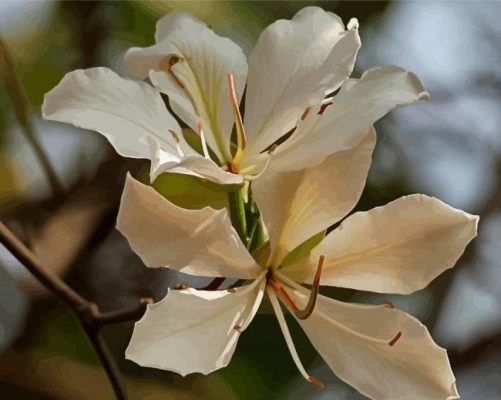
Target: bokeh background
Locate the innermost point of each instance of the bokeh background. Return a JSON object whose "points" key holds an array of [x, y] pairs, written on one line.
{"points": [[449, 148]]}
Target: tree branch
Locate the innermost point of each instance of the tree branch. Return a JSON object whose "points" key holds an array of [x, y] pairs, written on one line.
{"points": [[16, 95], [88, 313]]}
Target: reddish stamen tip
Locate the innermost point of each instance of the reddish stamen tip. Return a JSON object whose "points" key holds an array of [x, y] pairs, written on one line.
{"points": [[387, 303], [231, 167], [279, 288], [237, 328], [323, 107], [395, 339], [167, 63], [181, 286], [305, 113], [316, 382], [272, 148], [174, 135], [146, 300]]}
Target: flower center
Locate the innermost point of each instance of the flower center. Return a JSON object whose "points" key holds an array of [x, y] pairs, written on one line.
{"points": [[275, 284]]}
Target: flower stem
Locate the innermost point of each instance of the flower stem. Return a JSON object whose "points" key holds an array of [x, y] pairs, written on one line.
{"points": [[237, 213]]}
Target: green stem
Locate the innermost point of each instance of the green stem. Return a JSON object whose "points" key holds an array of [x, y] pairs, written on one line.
{"points": [[252, 232], [237, 213]]}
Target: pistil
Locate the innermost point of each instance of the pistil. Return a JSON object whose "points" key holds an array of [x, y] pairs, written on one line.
{"points": [[310, 306], [239, 124]]}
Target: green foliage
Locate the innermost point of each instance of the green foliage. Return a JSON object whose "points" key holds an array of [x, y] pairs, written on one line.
{"points": [[303, 249], [192, 192]]}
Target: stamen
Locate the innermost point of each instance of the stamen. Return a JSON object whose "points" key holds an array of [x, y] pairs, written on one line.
{"points": [[181, 286], [237, 328], [361, 335], [272, 148], [395, 339], [387, 303], [310, 306], [178, 143], [279, 288], [305, 113], [288, 339], [323, 107], [241, 137], [166, 65], [200, 126], [316, 382]]}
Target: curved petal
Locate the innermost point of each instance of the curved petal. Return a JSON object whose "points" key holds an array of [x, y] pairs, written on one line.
{"points": [[384, 353], [398, 248], [204, 60], [292, 66], [358, 105], [299, 204], [199, 242], [193, 164], [126, 112], [194, 330]]}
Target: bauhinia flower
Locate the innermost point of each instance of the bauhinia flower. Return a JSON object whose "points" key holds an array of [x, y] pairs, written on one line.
{"points": [[292, 74], [398, 248]]}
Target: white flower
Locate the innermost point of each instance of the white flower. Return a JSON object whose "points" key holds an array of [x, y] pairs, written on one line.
{"points": [[398, 248], [292, 69]]}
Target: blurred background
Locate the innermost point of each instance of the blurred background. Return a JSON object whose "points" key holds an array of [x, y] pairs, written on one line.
{"points": [[449, 148]]}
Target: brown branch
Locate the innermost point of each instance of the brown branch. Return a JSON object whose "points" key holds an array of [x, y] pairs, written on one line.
{"points": [[16, 95], [88, 313]]}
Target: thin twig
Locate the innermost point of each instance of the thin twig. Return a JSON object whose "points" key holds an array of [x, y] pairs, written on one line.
{"points": [[59, 288], [109, 364], [88, 313], [16, 95]]}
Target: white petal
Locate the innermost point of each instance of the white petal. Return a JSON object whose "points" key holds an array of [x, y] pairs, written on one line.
{"points": [[299, 204], [193, 164], [206, 61], [398, 248], [292, 66], [355, 108], [354, 340], [194, 330], [126, 112], [199, 242]]}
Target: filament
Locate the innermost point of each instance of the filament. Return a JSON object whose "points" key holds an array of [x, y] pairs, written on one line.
{"points": [[288, 339]]}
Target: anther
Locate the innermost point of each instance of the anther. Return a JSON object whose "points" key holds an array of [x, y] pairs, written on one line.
{"points": [[178, 142], [272, 148], [306, 312], [305, 113], [166, 65], [146, 300], [237, 328], [181, 286], [174, 135], [323, 107], [316, 382], [395, 339], [232, 290], [387, 303]]}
